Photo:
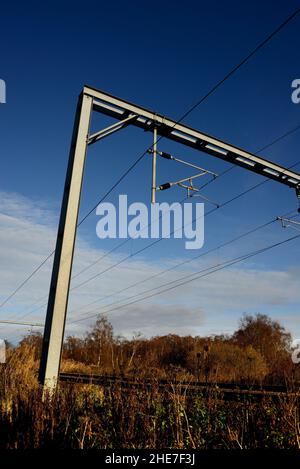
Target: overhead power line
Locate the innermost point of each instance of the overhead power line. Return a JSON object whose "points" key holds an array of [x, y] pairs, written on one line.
{"points": [[216, 268], [130, 256], [26, 280], [239, 65], [20, 323], [93, 263], [188, 112], [275, 141], [184, 262]]}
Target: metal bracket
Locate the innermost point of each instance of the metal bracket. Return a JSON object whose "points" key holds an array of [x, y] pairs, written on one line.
{"points": [[93, 100], [189, 187], [288, 223], [111, 129], [172, 130]]}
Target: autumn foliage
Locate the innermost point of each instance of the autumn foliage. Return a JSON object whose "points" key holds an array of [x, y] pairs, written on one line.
{"points": [[88, 416], [258, 352]]}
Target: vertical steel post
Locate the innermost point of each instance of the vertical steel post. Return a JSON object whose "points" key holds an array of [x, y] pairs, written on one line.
{"points": [[62, 265], [154, 155]]}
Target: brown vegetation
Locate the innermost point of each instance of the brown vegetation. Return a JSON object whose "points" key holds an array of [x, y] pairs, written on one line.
{"points": [[258, 352], [112, 417]]}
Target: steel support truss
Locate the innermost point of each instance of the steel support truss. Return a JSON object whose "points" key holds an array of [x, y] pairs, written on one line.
{"points": [[126, 114]]}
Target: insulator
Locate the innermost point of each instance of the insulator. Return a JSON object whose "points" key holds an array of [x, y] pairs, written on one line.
{"points": [[166, 155], [165, 186]]}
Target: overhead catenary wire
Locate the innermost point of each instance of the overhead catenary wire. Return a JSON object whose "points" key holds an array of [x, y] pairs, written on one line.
{"points": [[265, 147], [26, 280], [184, 262], [87, 267], [275, 141], [245, 60], [160, 239], [270, 144], [21, 323], [188, 112], [278, 139], [79, 224], [130, 256], [240, 236], [216, 268]]}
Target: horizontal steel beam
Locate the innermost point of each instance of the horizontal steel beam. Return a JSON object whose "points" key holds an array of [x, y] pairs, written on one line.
{"points": [[166, 127]]}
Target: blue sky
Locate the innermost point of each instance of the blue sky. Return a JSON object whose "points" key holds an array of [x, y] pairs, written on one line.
{"points": [[163, 55]]}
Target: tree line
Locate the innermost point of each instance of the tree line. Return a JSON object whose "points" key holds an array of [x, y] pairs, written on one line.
{"points": [[259, 351]]}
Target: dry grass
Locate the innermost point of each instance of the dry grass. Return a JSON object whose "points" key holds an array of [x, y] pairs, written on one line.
{"points": [[91, 417], [72, 366]]}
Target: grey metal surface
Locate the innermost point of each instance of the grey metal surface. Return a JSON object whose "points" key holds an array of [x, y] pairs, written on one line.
{"points": [[62, 266], [130, 114], [154, 159], [119, 109]]}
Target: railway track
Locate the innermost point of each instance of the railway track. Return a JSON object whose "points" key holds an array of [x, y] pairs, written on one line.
{"points": [[226, 391]]}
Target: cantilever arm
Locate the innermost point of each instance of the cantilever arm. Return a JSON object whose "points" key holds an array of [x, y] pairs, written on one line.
{"points": [[111, 129]]}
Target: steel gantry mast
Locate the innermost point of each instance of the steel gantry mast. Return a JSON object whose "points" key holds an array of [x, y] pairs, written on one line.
{"points": [[93, 100]]}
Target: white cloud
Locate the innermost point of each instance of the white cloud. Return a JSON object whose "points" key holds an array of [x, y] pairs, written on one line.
{"points": [[27, 235]]}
